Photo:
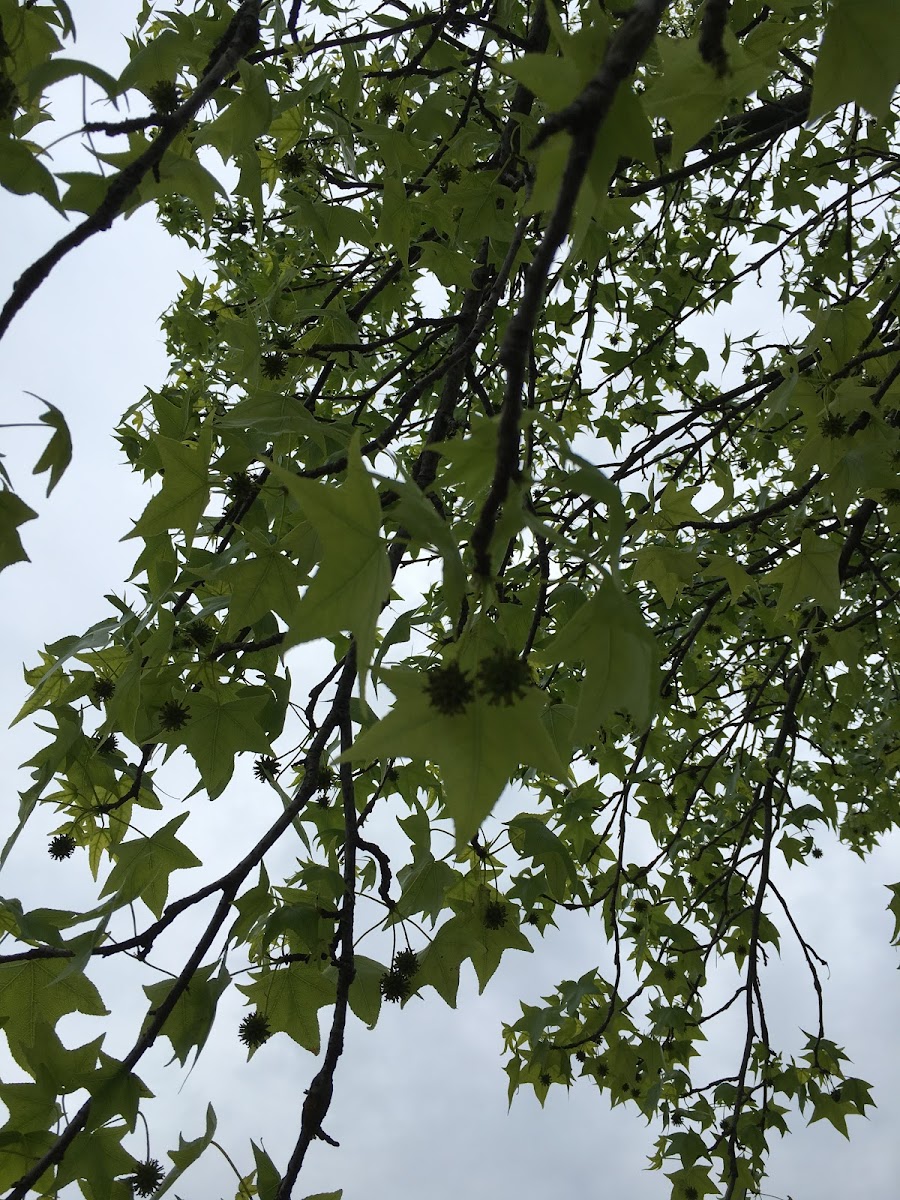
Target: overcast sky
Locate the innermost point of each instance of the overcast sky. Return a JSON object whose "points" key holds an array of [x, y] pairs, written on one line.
{"points": [[420, 1103]]}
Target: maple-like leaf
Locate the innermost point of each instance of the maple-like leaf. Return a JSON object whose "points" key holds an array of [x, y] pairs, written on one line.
{"points": [[810, 575], [34, 994], [291, 998], [185, 489], [223, 722], [353, 577], [143, 866], [609, 635], [477, 752]]}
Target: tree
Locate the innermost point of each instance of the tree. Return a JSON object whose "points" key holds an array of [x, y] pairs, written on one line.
{"points": [[610, 624]]}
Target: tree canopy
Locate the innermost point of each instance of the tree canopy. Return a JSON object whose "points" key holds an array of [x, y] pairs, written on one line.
{"points": [[544, 368]]}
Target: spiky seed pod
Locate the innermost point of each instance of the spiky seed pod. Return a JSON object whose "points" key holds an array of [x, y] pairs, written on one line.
{"points": [[109, 745], [101, 689], [240, 486], [265, 767], [891, 497], [147, 1177], [503, 677], [62, 846], [326, 778], [173, 715], [833, 425], [254, 1030], [495, 915], [449, 689], [388, 103], [406, 963], [165, 96], [201, 633], [273, 366], [394, 986], [294, 164], [447, 173]]}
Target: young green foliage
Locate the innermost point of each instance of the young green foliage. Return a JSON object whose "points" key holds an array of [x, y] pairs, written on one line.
{"points": [[463, 402]]}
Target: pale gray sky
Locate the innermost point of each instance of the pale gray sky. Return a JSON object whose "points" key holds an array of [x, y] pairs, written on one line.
{"points": [[420, 1103]]}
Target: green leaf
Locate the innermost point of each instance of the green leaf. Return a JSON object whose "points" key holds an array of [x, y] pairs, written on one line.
{"points": [[894, 909], [181, 175], [35, 994], [224, 722], [13, 513], [720, 566], [162, 57], [477, 752], [22, 172], [55, 69], [188, 1025], [859, 60], [96, 1158], [692, 1181], [31, 1106], [185, 490], [396, 223], [189, 1151], [268, 582], [268, 1176], [810, 575], [418, 516], [291, 997], [365, 991], [353, 578], [58, 452], [20, 1149], [534, 840], [547, 76], [691, 96], [667, 568], [115, 1092], [246, 117], [609, 635], [143, 866]]}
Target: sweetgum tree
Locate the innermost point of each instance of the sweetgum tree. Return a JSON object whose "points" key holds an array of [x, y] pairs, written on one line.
{"points": [[476, 390]]}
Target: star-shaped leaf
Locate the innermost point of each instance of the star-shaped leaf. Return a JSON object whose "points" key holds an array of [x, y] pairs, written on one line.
{"points": [[13, 513], [810, 575], [185, 489], [144, 864], [34, 994], [476, 752], [609, 635], [187, 1026], [58, 451], [291, 998], [268, 582], [223, 722], [860, 57], [353, 577]]}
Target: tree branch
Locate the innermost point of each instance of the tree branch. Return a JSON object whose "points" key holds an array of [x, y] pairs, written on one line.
{"points": [[242, 33]]}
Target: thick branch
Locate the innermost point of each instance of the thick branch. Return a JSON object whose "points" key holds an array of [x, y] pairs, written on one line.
{"points": [[583, 118], [242, 34], [318, 1098]]}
